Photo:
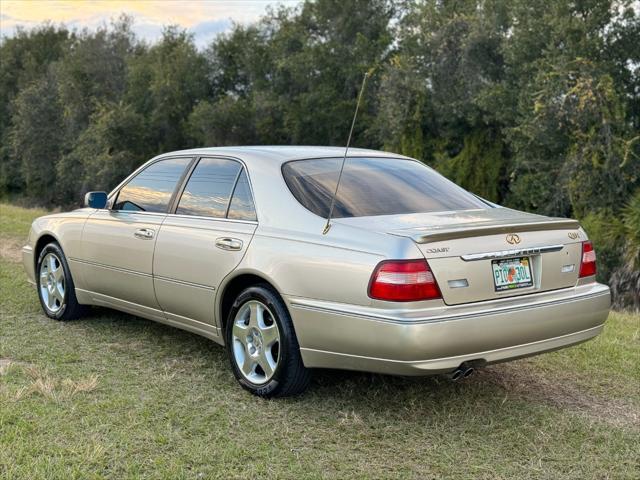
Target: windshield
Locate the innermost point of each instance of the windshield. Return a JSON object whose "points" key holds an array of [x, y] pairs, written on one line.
{"points": [[374, 186]]}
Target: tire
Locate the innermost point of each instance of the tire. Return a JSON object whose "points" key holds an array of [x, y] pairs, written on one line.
{"points": [[57, 296], [250, 339]]}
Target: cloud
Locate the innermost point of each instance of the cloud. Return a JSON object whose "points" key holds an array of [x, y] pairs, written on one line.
{"points": [[205, 32], [204, 18]]}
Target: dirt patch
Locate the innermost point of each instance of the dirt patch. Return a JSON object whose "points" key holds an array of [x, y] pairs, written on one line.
{"points": [[562, 393], [10, 249]]}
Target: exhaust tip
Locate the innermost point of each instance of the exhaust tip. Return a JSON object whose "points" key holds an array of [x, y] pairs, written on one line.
{"points": [[463, 371]]}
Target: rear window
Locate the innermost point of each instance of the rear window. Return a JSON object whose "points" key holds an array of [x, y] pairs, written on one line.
{"points": [[374, 186]]}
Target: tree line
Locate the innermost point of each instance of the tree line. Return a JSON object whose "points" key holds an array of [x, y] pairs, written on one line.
{"points": [[533, 104]]}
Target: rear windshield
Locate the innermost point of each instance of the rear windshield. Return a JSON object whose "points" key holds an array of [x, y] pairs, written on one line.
{"points": [[374, 186]]}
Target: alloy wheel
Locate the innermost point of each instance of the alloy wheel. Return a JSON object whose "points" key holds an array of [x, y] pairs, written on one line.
{"points": [[52, 282], [256, 342]]}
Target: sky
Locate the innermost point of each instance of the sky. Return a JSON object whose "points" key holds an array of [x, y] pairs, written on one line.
{"points": [[204, 18]]}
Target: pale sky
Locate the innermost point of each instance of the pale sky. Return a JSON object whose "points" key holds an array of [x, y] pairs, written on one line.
{"points": [[204, 18]]}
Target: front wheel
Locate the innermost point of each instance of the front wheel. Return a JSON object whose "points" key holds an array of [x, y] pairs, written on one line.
{"points": [[262, 345], [55, 285]]}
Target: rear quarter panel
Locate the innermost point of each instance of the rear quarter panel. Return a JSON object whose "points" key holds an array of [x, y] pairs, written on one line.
{"points": [[336, 267]]}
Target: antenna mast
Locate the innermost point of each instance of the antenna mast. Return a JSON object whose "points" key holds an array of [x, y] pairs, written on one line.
{"points": [[327, 227]]}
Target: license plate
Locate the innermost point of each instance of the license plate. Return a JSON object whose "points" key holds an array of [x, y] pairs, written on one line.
{"points": [[512, 273]]}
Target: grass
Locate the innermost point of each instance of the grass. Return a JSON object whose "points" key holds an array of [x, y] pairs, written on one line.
{"points": [[115, 396]]}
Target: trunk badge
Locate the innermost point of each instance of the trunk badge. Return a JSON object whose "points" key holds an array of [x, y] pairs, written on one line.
{"points": [[513, 238]]}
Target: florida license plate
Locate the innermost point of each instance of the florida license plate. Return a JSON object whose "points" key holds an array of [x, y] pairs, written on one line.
{"points": [[512, 273]]}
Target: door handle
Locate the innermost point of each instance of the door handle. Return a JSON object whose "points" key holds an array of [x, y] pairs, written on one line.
{"points": [[144, 233], [226, 243]]}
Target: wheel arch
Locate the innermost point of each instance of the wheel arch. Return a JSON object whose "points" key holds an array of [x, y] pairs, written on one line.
{"points": [[232, 287], [44, 239]]}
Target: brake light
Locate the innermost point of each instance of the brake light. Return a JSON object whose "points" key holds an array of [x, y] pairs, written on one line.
{"points": [[403, 281], [588, 263]]}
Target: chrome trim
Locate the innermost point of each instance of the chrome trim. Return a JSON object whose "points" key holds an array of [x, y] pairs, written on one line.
{"points": [[144, 233], [109, 267], [201, 217], [228, 243], [490, 310], [126, 212], [472, 257], [182, 282]]}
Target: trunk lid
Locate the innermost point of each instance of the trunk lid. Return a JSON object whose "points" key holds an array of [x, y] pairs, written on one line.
{"points": [[467, 250]]}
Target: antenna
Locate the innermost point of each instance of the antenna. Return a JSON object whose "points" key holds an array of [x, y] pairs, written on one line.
{"points": [[327, 227]]}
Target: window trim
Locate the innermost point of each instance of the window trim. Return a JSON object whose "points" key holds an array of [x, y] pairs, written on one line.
{"points": [[185, 181], [113, 195]]}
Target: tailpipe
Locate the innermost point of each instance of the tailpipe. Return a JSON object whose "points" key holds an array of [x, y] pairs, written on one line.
{"points": [[463, 371]]}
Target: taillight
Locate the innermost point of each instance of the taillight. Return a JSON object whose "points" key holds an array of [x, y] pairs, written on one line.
{"points": [[588, 263], [403, 281]]}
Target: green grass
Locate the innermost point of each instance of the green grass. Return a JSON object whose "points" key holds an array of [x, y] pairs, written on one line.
{"points": [[115, 396]]}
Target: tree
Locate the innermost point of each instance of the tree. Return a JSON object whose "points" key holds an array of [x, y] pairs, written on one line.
{"points": [[108, 150], [35, 137], [165, 84], [24, 59]]}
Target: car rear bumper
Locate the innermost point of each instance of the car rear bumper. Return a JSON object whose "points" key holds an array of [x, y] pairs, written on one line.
{"points": [[439, 339]]}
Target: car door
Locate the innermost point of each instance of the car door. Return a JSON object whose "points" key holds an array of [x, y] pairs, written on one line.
{"points": [[203, 240], [118, 242]]}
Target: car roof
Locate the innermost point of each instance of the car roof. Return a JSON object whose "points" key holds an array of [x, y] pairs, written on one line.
{"points": [[283, 153]]}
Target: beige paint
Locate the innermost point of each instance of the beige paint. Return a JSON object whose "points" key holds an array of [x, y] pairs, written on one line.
{"points": [[114, 261], [186, 285], [179, 276]]}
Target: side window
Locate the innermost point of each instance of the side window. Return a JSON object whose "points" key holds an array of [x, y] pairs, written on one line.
{"points": [[208, 190], [151, 189], [241, 207]]}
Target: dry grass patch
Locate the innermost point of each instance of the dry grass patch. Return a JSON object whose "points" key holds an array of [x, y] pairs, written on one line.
{"points": [[39, 382]]}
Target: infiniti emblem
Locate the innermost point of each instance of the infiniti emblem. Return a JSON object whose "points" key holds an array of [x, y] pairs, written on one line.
{"points": [[513, 239]]}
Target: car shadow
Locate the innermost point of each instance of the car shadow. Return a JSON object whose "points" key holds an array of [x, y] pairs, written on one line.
{"points": [[175, 340], [330, 389]]}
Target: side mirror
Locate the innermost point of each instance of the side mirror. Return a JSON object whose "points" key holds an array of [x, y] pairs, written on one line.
{"points": [[95, 200]]}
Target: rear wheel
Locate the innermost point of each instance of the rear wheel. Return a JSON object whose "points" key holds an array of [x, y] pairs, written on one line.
{"points": [[55, 285], [262, 345]]}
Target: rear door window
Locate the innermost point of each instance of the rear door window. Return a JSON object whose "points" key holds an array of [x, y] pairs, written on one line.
{"points": [[209, 188], [374, 186], [241, 206], [151, 190]]}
